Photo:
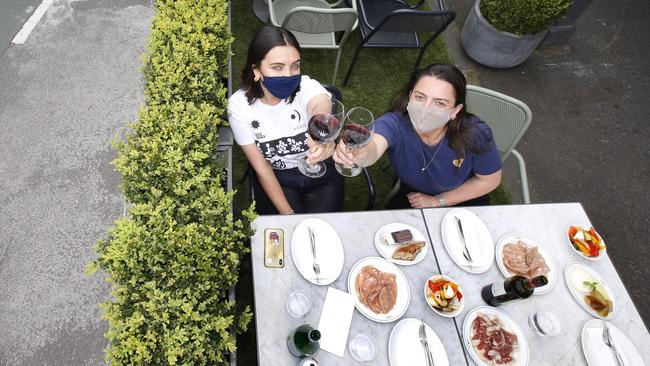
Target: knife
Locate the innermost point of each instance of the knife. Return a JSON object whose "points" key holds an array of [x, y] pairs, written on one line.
{"points": [[462, 236]]}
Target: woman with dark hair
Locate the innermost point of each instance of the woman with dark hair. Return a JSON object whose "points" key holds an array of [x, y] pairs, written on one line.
{"points": [[442, 155], [269, 116]]}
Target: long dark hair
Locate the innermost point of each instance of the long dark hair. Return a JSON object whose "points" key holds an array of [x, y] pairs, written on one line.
{"points": [[265, 39], [460, 131]]}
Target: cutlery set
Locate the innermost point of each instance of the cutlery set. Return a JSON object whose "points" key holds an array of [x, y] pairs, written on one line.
{"points": [[607, 338], [315, 264], [425, 344]]}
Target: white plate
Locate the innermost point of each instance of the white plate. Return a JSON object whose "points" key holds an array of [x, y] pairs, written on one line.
{"points": [[446, 278], [387, 251], [329, 251], [548, 258], [579, 296], [601, 253], [405, 348], [403, 291], [478, 239], [596, 351], [520, 354]]}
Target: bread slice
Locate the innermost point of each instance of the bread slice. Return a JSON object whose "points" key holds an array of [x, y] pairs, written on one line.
{"points": [[409, 251]]}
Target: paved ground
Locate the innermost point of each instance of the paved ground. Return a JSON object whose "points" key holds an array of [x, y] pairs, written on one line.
{"points": [[589, 139], [63, 97], [13, 14]]}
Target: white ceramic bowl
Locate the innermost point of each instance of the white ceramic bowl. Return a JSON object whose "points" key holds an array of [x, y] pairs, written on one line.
{"points": [[450, 314], [601, 253]]}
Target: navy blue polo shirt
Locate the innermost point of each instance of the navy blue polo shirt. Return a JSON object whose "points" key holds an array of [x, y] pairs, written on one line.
{"points": [[405, 152]]}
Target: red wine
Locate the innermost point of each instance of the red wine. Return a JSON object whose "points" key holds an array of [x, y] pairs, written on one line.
{"points": [[513, 288], [355, 135], [323, 127], [304, 341]]}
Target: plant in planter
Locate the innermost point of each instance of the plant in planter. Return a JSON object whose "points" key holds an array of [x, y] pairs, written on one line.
{"points": [[504, 33]]}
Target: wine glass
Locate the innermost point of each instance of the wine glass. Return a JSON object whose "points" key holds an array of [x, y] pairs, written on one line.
{"points": [[545, 324], [362, 348], [297, 304], [323, 128], [358, 127]]}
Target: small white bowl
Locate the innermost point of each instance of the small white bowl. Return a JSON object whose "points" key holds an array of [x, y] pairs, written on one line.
{"points": [[601, 253], [451, 314]]}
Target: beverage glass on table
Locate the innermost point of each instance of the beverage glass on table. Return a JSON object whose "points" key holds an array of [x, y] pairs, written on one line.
{"points": [[544, 323], [323, 128], [297, 304], [358, 127], [362, 348]]}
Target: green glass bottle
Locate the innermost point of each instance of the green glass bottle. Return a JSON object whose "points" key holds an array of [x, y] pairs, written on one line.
{"points": [[304, 341]]}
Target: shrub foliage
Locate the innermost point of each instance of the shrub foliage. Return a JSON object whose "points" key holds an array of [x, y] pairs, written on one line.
{"points": [[172, 259], [523, 17]]}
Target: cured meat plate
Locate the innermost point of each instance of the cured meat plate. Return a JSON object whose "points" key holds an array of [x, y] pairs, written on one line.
{"points": [[548, 259], [403, 292], [520, 353]]}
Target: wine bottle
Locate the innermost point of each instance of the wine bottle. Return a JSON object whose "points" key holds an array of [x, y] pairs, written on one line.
{"points": [[304, 341], [513, 288]]}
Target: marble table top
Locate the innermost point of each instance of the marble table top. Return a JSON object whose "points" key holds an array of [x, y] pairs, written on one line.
{"points": [[545, 223]]}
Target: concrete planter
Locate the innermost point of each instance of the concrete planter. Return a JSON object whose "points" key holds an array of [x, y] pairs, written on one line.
{"points": [[494, 48]]}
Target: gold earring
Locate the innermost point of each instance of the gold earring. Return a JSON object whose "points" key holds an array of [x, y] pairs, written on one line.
{"points": [[256, 78]]}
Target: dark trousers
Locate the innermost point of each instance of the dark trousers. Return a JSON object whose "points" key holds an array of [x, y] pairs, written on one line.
{"points": [[305, 194], [400, 200]]}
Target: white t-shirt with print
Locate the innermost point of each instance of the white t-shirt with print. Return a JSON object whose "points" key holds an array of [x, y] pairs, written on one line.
{"points": [[279, 131]]}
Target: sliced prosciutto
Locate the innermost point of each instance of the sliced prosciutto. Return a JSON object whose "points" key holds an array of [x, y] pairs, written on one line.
{"points": [[521, 259], [494, 344], [376, 289]]}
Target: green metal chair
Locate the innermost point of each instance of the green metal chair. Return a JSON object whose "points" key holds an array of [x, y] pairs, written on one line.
{"points": [[508, 118], [315, 23]]}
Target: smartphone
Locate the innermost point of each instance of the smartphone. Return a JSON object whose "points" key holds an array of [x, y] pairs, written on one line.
{"points": [[274, 248]]}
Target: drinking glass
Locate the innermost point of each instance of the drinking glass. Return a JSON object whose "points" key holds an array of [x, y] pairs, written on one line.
{"points": [[297, 304], [323, 128], [545, 324], [358, 127], [362, 348]]}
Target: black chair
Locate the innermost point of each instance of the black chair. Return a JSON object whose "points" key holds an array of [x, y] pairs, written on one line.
{"points": [[336, 93], [396, 24]]}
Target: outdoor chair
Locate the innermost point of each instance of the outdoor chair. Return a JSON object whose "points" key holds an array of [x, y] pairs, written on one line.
{"points": [[315, 24], [336, 93], [396, 24], [508, 119]]}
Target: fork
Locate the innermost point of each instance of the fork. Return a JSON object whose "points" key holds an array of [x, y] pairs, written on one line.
{"points": [[423, 338], [315, 264], [607, 338]]}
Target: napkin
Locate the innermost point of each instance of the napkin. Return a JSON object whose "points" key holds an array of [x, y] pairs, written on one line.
{"points": [[335, 320]]}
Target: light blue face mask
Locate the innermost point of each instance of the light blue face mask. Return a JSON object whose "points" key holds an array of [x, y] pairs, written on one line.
{"points": [[282, 86]]}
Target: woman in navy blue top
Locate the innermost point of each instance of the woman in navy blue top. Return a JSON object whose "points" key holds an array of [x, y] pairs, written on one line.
{"points": [[442, 154]]}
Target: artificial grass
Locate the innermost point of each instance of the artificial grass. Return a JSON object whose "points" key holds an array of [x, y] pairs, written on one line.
{"points": [[378, 74]]}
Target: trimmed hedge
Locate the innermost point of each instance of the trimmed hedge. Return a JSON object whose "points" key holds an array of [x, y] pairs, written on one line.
{"points": [[172, 259]]}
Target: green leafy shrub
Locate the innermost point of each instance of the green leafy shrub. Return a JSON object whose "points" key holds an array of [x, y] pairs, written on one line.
{"points": [[523, 17], [172, 259], [188, 52]]}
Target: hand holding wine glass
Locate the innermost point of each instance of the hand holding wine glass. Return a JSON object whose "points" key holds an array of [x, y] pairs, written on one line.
{"points": [[322, 128], [358, 127]]}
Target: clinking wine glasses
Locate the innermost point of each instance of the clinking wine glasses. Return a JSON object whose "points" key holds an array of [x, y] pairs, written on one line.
{"points": [[322, 128], [358, 127]]}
